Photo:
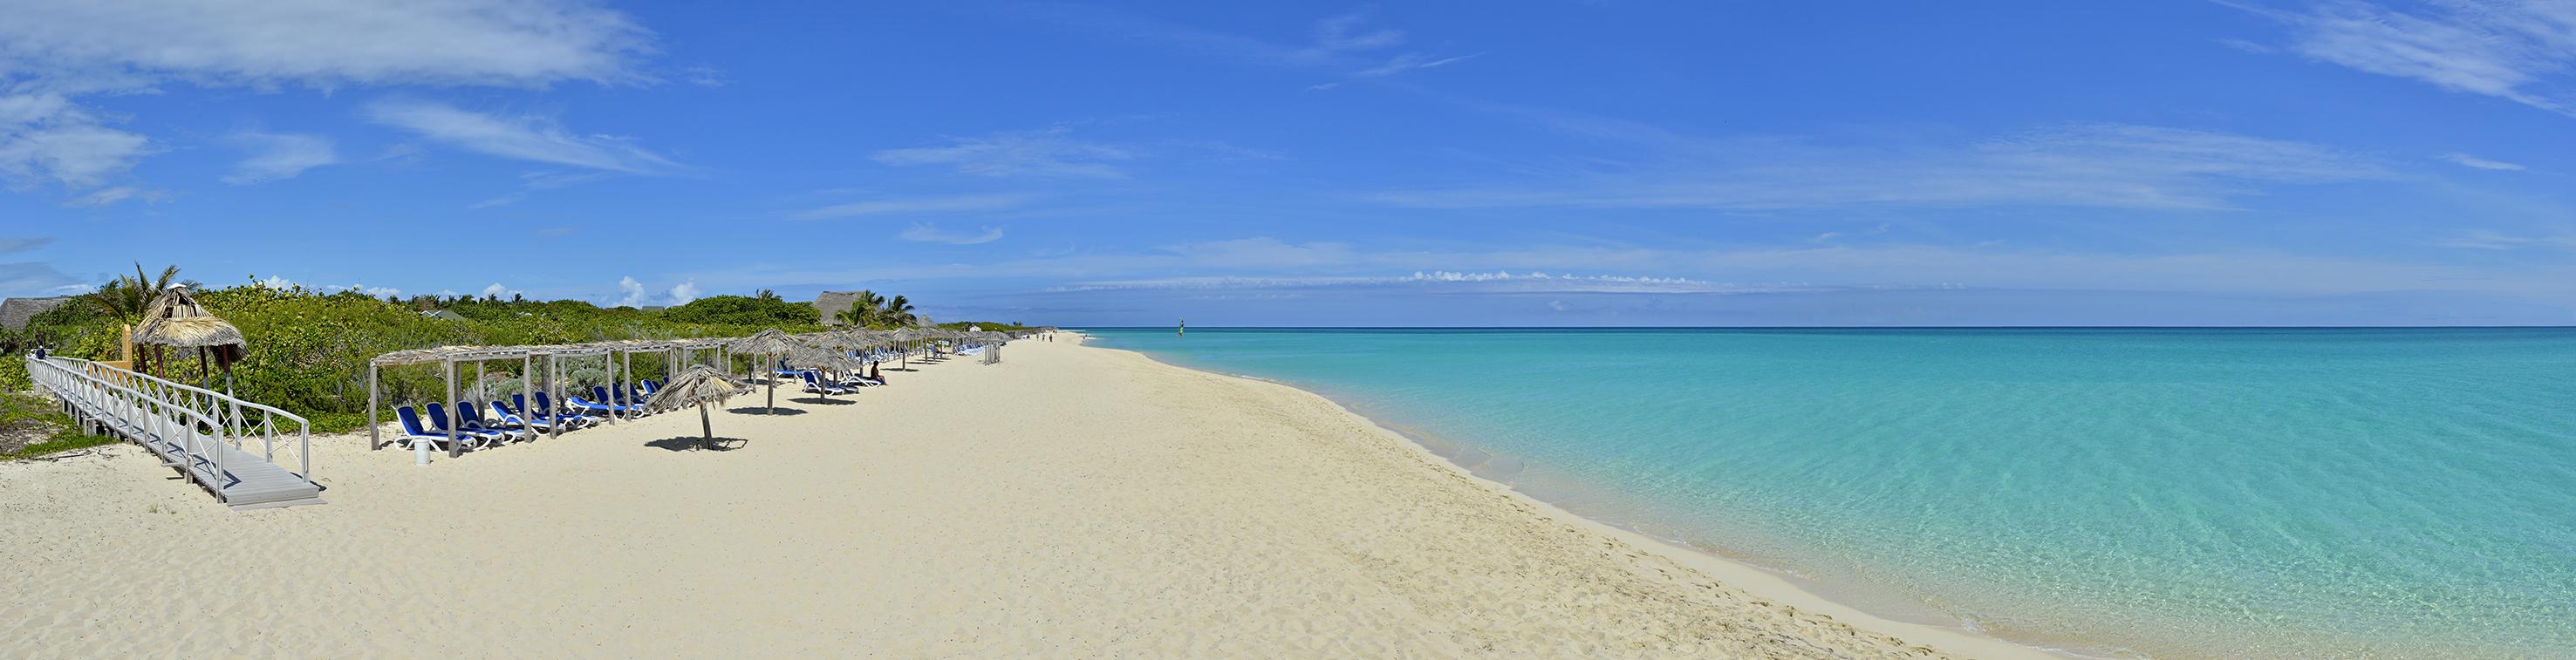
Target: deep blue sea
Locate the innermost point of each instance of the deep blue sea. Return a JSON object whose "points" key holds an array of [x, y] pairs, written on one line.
{"points": [[2170, 492]]}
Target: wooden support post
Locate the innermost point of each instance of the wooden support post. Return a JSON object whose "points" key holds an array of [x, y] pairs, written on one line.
{"points": [[375, 439], [455, 418]]}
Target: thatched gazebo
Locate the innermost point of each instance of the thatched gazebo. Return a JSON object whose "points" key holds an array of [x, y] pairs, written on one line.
{"points": [[826, 360], [174, 319], [701, 386], [770, 344]]}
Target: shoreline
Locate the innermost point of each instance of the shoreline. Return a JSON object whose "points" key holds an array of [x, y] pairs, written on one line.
{"points": [[1750, 577]]}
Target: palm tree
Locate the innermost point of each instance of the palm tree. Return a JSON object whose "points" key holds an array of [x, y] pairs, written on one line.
{"points": [[858, 315], [898, 312], [127, 297]]}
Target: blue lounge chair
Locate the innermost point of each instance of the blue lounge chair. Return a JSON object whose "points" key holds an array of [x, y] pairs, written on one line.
{"points": [[816, 385], [598, 407], [474, 420], [412, 431], [438, 424], [508, 417], [570, 420]]}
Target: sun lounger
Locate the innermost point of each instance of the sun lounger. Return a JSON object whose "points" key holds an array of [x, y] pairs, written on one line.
{"points": [[413, 432], [438, 424]]}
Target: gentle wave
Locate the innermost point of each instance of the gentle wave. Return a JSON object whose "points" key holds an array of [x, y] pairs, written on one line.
{"points": [[2289, 493]]}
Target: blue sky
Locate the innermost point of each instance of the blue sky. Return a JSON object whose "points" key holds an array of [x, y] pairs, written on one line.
{"points": [[1544, 163]]}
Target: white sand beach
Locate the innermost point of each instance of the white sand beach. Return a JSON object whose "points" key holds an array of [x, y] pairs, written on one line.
{"points": [[1070, 501]]}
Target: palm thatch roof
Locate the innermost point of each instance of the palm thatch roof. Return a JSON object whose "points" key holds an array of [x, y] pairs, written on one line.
{"points": [[766, 342], [192, 332], [698, 385], [811, 357], [15, 313], [173, 319]]}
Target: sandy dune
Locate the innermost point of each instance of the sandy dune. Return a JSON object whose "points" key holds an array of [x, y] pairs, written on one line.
{"points": [[1071, 501]]}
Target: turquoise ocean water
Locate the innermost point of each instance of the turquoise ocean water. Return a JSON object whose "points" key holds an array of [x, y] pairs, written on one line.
{"points": [[2174, 493]]}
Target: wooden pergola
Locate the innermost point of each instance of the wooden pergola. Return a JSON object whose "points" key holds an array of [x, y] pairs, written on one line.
{"points": [[617, 356]]}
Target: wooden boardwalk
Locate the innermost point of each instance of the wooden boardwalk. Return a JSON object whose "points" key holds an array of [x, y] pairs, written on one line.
{"points": [[224, 444]]}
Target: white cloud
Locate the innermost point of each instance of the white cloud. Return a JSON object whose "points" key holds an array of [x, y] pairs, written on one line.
{"points": [[1410, 62], [2093, 165], [1041, 153], [2486, 239], [529, 138], [915, 206], [275, 156], [44, 138], [499, 291], [88, 45], [922, 233], [32, 278], [704, 76], [634, 292], [684, 292], [1486, 282], [2466, 160], [277, 282], [2520, 50], [55, 51], [111, 195]]}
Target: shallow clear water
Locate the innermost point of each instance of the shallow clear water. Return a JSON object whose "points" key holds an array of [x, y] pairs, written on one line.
{"points": [[2288, 493]]}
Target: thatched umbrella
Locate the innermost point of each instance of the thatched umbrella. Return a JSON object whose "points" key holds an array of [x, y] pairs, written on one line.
{"points": [[175, 319], [701, 386], [770, 344], [823, 359]]}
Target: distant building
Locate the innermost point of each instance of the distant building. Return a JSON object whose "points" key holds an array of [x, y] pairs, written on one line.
{"points": [[442, 314], [832, 303], [16, 312]]}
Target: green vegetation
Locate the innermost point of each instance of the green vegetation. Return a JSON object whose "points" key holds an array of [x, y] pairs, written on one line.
{"points": [[308, 350], [765, 309], [877, 312], [30, 427]]}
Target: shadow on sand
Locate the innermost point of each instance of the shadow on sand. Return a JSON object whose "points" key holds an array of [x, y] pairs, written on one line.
{"points": [[820, 401], [762, 410], [696, 443]]}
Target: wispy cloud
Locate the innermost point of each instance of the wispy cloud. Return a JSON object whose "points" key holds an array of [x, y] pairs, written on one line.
{"points": [[2519, 50], [44, 138], [916, 206], [90, 44], [2090, 165], [923, 233], [2466, 160], [1349, 44], [523, 137], [1409, 62], [1454, 281], [531, 182], [1049, 152], [24, 244], [684, 292], [275, 156], [109, 196], [2485, 239], [53, 52]]}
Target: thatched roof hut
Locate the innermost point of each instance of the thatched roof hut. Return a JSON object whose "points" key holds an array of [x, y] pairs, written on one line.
{"points": [[700, 386], [174, 304], [766, 342]]}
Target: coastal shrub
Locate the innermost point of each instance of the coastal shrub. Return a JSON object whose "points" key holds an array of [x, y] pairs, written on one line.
{"points": [[307, 350], [30, 426]]}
